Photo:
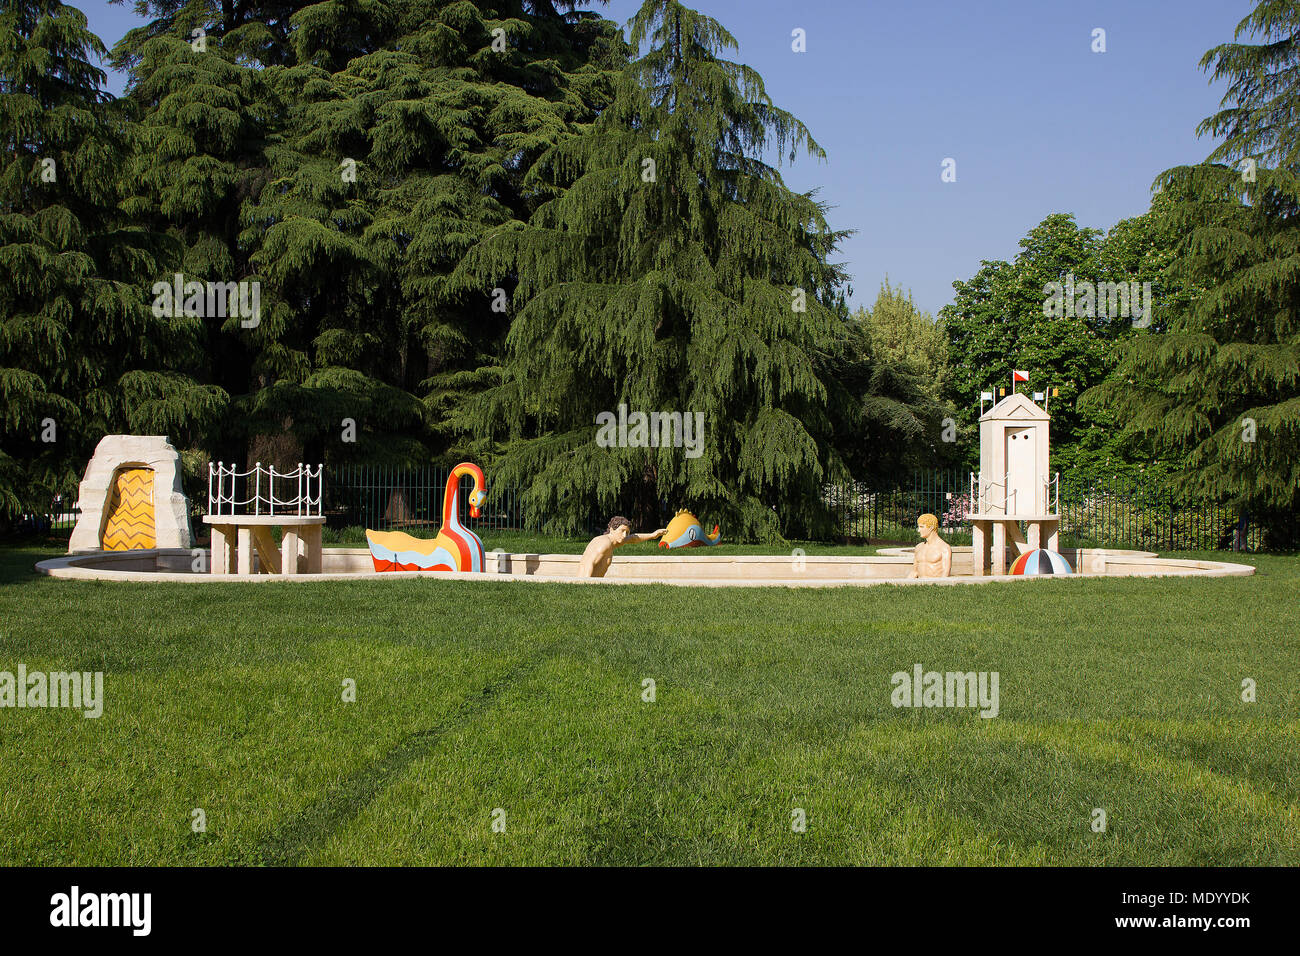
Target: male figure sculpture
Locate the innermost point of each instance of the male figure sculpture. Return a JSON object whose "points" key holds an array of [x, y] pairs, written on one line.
{"points": [[932, 558], [595, 560]]}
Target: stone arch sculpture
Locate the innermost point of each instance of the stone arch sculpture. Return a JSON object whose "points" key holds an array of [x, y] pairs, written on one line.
{"points": [[131, 497]]}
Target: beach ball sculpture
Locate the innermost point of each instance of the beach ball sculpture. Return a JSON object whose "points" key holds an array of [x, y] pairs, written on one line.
{"points": [[1041, 561]]}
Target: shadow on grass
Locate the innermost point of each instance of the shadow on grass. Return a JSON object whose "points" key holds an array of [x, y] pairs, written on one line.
{"points": [[18, 557], [309, 830]]}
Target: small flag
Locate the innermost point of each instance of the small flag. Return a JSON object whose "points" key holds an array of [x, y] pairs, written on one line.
{"points": [[986, 396], [1018, 376], [1039, 396]]}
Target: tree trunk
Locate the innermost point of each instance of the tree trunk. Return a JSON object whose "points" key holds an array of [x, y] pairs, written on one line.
{"points": [[399, 509], [282, 449]]}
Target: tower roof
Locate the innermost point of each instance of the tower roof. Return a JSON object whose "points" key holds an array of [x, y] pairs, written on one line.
{"points": [[1017, 408]]}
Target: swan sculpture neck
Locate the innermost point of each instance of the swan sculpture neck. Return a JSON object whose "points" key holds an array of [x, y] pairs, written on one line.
{"points": [[451, 499]]}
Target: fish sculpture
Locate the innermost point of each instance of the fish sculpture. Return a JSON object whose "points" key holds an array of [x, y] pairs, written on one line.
{"points": [[684, 531]]}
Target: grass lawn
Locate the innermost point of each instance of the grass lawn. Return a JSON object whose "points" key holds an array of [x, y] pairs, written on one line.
{"points": [[1117, 694]]}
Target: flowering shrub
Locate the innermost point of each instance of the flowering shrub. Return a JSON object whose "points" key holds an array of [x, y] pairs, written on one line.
{"points": [[954, 514]]}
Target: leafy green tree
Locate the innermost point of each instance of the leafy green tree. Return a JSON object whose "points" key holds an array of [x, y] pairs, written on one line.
{"points": [[884, 412], [996, 323], [1219, 388], [1011, 316], [895, 362], [81, 351], [671, 271], [903, 334]]}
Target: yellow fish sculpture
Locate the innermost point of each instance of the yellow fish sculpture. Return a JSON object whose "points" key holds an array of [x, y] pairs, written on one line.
{"points": [[684, 531]]}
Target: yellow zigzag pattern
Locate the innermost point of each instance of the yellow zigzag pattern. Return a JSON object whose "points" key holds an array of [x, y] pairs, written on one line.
{"points": [[130, 524]]}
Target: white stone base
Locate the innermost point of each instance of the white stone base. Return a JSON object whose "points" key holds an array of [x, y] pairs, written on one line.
{"points": [[712, 571]]}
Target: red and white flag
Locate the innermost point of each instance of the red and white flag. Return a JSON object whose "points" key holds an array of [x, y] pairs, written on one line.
{"points": [[1019, 376]]}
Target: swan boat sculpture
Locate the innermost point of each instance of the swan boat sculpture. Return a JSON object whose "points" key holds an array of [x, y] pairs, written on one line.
{"points": [[455, 548]]}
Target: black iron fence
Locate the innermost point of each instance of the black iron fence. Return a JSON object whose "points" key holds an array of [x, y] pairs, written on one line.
{"points": [[1119, 512], [1109, 512], [409, 499], [879, 511]]}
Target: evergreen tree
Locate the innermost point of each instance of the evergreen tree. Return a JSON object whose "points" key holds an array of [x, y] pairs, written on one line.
{"points": [[1140, 249], [669, 270], [81, 352], [206, 117], [883, 409], [439, 126], [344, 154], [894, 364], [1219, 390], [256, 32], [1258, 119]]}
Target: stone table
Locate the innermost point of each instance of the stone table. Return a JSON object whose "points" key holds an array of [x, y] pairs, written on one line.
{"points": [[234, 538]]}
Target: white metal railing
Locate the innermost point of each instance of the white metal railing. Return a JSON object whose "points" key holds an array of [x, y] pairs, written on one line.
{"points": [[979, 491], [1052, 492], [224, 499]]}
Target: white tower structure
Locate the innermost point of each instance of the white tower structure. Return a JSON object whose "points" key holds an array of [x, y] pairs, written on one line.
{"points": [[1014, 484]]}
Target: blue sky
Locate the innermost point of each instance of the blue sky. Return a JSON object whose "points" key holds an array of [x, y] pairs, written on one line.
{"points": [[1010, 89]]}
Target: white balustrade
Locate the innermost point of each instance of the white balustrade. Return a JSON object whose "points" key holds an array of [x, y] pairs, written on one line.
{"points": [[225, 481]]}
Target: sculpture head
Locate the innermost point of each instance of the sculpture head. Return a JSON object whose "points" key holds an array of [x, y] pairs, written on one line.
{"points": [[479, 494], [619, 528], [927, 525]]}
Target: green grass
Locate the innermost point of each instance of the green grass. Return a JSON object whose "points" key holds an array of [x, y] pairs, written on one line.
{"points": [[1122, 694]]}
